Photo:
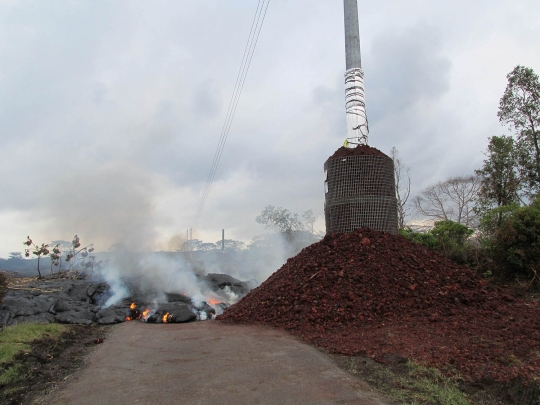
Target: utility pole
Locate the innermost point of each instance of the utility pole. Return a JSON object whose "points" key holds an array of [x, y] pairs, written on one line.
{"points": [[189, 237], [359, 190], [355, 103], [223, 241]]}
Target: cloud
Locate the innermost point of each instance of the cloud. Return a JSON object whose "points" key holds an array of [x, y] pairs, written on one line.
{"points": [[406, 69], [110, 113]]}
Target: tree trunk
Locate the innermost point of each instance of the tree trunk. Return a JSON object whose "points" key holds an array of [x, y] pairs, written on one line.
{"points": [[38, 266]]}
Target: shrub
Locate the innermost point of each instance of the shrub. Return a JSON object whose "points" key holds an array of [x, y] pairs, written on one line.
{"points": [[516, 243], [448, 238], [423, 238]]}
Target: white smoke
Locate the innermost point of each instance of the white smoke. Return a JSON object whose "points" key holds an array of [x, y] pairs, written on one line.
{"points": [[153, 275]]}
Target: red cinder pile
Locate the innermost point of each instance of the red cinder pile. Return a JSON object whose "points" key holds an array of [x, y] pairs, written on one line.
{"points": [[380, 295], [360, 150]]}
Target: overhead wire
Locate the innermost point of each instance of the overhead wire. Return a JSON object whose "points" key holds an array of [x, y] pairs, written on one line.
{"points": [[256, 27], [244, 67], [221, 142]]}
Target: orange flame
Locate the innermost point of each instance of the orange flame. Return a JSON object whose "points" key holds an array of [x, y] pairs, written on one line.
{"points": [[132, 306], [213, 302], [165, 318], [145, 314], [128, 318]]}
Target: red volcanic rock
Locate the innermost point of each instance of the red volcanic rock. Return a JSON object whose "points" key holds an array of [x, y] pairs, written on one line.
{"points": [[359, 150], [381, 295]]}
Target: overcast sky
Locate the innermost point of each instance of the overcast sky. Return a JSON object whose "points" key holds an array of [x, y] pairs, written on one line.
{"points": [[111, 111]]}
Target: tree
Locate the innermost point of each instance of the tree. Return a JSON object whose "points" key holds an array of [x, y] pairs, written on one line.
{"points": [[453, 199], [309, 221], [39, 251], [403, 186], [81, 257], [230, 245], [206, 247], [519, 108], [191, 245], [279, 219], [15, 256], [448, 238], [450, 234], [56, 255], [500, 181], [515, 244], [268, 241], [61, 248]]}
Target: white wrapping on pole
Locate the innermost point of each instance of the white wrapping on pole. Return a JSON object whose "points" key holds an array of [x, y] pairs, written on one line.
{"points": [[355, 107]]}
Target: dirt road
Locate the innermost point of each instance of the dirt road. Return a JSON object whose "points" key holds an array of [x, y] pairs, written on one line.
{"points": [[210, 363]]}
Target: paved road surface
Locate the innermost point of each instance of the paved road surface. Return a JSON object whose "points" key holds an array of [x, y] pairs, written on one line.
{"points": [[205, 363]]}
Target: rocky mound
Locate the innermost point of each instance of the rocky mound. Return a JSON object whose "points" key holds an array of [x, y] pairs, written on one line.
{"points": [[358, 151], [378, 294]]}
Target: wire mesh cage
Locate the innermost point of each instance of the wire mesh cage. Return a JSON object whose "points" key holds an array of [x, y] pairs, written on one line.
{"points": [[360, 192]]}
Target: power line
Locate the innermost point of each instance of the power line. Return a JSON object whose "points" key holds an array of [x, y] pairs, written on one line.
{"points": [[258, 20], [256, 26]]}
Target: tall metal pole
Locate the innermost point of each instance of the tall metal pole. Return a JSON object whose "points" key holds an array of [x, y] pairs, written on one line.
{"points": [[355, 103], [352, 35]]}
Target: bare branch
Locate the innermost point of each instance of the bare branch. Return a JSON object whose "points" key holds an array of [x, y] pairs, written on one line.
{"points": [[453, 199], [403, 186]]}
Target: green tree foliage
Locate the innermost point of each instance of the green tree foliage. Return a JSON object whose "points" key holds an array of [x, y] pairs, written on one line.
{"points": [[38, 251], [515, 244], [500, 181], [452, 232], [447, 237], [519, 107], [426, 239], [493, 218]]}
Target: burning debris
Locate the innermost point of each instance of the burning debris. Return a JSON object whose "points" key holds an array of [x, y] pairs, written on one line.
{"points": [[172, 312], [83, 302], [376, 294]]}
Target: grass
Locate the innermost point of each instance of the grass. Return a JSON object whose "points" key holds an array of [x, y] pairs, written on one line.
{"points": [[428, 384], [416, 385], [17, 339], [11, 374]]}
